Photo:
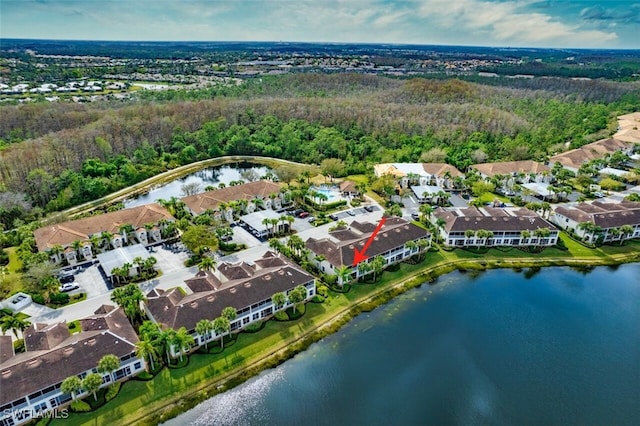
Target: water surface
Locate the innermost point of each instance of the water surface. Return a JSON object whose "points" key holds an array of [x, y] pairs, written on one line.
{"points": [[210, 176], [553, 347]]}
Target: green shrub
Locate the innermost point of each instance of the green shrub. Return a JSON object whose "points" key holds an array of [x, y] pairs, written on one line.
{"points": [[18, 345], [80, 406], [59, 298], [253, 327], [144, 376], [323, 291], [281, 316], [317, 299], [38, 298], [112, 391], [330, 279]]}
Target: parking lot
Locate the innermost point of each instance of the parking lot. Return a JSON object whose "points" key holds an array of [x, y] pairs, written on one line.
{"points": [[92, 281]]}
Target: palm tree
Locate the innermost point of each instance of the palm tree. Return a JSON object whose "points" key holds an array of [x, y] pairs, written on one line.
{"points": [[129, 298], [182, 340], [422, 245], [145, 349], [426, 211], [221, 326], [108, 364], [411, 246], [72, 385], [266, 222], [377, 264], [615, 233], [279, 300], [469, 233], [166, 339], [56, 250], [207, 264], [344, 274], [13, 323], [230, 313], [364, 268], [525, 235], [92, 383], [204, 327], [95, 243], [627, 231], [589, 229], [297, 296], [106, 237]]}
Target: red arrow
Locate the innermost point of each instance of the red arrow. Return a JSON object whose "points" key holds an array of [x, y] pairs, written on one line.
{"points": [[359, 256]]}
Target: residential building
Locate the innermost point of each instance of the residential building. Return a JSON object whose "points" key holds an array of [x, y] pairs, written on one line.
{"points": [[459, 227], [261, 193], [349, 188], [523, 171], [573, 159], [246, 286], [599, 221], [409, 174], [76, 240], [30, 381], [394, 243]]}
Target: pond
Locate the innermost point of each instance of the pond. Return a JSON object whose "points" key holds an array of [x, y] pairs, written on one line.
{"points": [[210, 176], [541, 347]]}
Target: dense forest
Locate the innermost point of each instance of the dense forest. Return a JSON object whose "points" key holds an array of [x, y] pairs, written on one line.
{"points": [[60, 155]]}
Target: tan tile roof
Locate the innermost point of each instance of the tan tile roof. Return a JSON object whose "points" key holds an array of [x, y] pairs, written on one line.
{"points": [[387, 169], [509, 167], [439, 169], [348, 186], [198, 203], [66, 233], [577, 157]]}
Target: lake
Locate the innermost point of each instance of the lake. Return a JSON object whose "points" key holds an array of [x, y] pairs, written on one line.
{"points": [[542, 347], [209, 176]]}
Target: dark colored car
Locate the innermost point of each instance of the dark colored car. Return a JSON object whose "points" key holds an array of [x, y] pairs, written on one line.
{"points": [[333, 217], [298, 212], [368, 208]]}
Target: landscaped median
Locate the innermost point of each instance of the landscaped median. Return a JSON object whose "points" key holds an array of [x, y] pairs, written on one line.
{"points": [[175, 390]]}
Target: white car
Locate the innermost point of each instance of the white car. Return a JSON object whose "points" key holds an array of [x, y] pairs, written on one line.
{"points": [[68, 287]]}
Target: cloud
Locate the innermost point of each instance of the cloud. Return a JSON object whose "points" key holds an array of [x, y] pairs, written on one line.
{"points": [[626, 15], [510, 22]]}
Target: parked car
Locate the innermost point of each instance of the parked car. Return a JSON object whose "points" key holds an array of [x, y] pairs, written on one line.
{"points": [[312, 219], [351, 213], [303, 215], [297, 212], [67, 279], [415, 216], [598, 194], [333, 216], [69, 286], [368, 208]]}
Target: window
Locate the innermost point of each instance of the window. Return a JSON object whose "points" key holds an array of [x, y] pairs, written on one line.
{"points": [[40, 407], [245, 320], [7, 422], [137, 365], [256, 316]]}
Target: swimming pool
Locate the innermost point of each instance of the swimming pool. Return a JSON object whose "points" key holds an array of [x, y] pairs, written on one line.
{"points": [[332, 194]]}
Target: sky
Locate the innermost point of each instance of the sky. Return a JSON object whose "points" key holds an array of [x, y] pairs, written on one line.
{"points": [[514, 23]]}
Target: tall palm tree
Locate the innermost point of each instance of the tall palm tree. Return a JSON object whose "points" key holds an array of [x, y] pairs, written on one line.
{"points": [[422, 245], [469, 233], [13, 323], [364, 268], [525, 235], [145, 349], [221, 326], [627, 231], [182, 339], [344, 274], [377, 264], [56, 250], [230, 313], [91, 383], [108, 364], [106, 237], [207, 264], [297, 296], [204, 327], [72, 385], [278, 300]]}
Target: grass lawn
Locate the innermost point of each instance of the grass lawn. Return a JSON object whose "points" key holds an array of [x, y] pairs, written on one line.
{"points": [[489, 197], [12, 279]]}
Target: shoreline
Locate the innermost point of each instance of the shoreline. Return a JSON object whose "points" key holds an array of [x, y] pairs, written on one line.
{"points": [[162, 409]]}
